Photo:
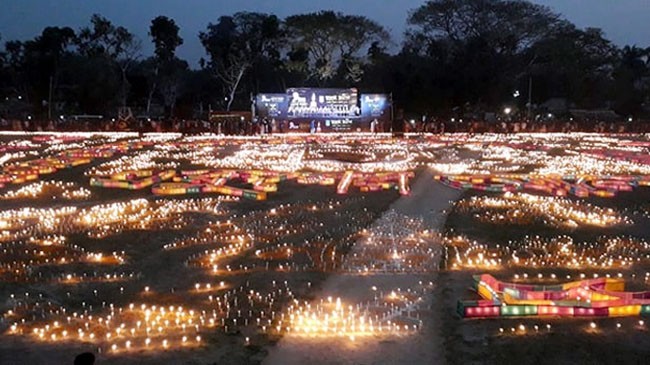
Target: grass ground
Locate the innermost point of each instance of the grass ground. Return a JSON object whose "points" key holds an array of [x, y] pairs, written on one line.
{"points": [[570, 341]]}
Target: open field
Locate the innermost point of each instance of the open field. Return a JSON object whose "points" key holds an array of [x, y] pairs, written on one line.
{"points": [[569, 340], [338, 249]]}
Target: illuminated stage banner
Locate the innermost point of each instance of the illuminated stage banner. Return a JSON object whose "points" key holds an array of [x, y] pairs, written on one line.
{"points": [[271, 105], [306, 103], [375, 106]]}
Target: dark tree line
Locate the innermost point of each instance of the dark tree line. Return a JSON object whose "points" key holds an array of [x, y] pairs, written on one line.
{"points": [[469, 55]]}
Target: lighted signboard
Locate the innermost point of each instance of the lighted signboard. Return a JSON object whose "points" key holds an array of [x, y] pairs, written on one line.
{"points": [[318, 110], [305, 103], [271, 105], [375, 106]]}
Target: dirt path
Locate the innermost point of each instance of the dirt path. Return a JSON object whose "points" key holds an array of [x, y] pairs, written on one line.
{"points": [[429, 201]]}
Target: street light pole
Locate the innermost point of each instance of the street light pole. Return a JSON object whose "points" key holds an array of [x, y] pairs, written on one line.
{"points": [[253, 106], [530, 95], [392, 112], [49, 101]]}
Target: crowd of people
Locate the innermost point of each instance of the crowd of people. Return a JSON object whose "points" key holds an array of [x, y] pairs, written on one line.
{"points": [[524, 126], [267, 127]]}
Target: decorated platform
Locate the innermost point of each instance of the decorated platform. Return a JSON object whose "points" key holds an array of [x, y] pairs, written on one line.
{"points": [[599, 297]]}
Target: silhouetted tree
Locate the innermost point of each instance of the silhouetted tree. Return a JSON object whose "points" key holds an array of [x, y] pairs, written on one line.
{"points": [[632, 80], [109, 50], [238, 43], [168, 69], [327, 42]]}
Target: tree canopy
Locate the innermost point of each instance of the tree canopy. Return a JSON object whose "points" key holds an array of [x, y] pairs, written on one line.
{"points": [[332, 42], [238, 43], [456, 55]]}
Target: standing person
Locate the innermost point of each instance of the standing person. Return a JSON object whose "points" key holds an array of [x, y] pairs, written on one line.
{"points": [[86, 358]]}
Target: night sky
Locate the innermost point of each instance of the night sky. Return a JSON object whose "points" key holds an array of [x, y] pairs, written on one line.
{"points": [[624, 21]]}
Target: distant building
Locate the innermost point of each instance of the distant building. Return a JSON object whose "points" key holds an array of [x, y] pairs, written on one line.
{"points": [[602, 115], [556, 105]]}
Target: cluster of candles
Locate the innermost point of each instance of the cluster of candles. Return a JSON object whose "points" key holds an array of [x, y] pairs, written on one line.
{"points": [[118, 330], [557, 252], [539, 155], [102, 220], [492, 153], [37, 238], [209, 258], [306, 235], [484, 159], [396, 313], [141, 327], [17, 224], [143, 160], [577, 164], [295, 155], [270, 230], [222, 232], [525, 276], [277, 157], [95, 277], [522, 208], [396, 243], [141, 214], [51, 189], [291, 219], [196, 151], [380, 157], [19, 260], [321, 249], [18, 145], [522, 329], [67, 154], [591, 327], [146, 327]]}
